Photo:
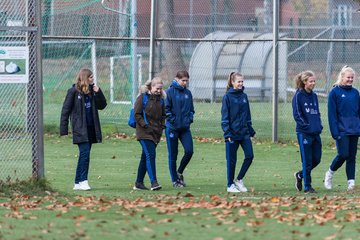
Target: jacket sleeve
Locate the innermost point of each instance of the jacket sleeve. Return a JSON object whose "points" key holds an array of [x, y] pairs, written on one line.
{"points": [[332, 115], [248, 120], [66, 111], [297, 113], [192, 110], [318, 109], [100, 100], [225, 117], [138, 112], [170, 116]]}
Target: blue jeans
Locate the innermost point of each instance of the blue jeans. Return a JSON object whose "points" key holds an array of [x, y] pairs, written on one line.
{"points": [[231, 158], [346, 151], [147, 161], [172, 139], [82, 168], [310, 150]]}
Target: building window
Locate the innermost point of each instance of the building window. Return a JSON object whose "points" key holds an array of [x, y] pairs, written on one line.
{"points": [[343, 16]]}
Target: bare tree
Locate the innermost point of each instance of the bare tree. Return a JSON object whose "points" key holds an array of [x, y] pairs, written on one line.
{"points": [[171, 49]]}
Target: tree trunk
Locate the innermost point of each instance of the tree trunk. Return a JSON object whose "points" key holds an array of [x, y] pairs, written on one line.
{"points": [[171, 50]]}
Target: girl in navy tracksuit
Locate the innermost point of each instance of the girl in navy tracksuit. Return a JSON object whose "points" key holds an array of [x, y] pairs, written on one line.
{"points": [[237, 127], [179, 114], [344, 122], [308, 128]]}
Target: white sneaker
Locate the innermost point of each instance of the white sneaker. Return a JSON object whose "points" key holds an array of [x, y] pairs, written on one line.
{"points": [[233, 189], [351, 184], [84, 185], [240, 185], [328, 180]]}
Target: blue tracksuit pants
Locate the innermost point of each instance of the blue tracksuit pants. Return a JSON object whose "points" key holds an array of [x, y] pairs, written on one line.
{"points": [[147, 161], [346, 151], [231, 158], [310, 151], [172, 139]]}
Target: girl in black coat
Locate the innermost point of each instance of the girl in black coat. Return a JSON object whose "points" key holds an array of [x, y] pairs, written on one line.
{"points": [[81, 105]]}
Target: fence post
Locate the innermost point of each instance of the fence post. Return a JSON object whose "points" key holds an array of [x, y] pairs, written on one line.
{"points": [[152, 37], [275, 70], [34, 89]]}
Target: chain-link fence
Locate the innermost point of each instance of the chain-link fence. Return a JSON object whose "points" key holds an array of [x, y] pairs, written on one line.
{"points": [[21, 136], [209, 38]]}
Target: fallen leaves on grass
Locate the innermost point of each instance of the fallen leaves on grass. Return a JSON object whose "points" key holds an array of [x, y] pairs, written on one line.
{"points": [[294, 211]]}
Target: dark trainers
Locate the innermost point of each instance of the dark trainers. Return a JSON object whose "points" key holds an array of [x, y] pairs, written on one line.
{"points": [[155, 186], [310, 190], [140, 186], [298, 181], [178, 184], [181, 179]]}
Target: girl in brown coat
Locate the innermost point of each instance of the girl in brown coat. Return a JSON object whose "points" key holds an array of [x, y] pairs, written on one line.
{"points": [[150, 122]]}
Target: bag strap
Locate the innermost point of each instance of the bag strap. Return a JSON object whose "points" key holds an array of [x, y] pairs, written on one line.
{"points": [[144, 102]]}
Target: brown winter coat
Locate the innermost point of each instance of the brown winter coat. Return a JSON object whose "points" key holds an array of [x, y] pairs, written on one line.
{"points": [[155, 116]]}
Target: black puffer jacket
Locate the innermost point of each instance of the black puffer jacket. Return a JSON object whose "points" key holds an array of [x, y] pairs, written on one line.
{"points": [[74, 107]]}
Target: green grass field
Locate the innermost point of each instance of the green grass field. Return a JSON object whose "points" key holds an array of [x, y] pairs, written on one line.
{"points": [[272, 209], [207, 120]]}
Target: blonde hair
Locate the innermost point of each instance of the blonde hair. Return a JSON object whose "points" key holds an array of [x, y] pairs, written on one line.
{"points": [[345, 69], [231, 78], [82, 80], [150, 83], [302, 77]]}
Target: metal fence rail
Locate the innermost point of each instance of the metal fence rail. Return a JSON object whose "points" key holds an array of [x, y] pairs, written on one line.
{"points": [[208, 38]]}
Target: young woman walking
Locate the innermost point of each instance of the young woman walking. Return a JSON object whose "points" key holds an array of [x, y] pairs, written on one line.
{"points": [[179, 109], [306, 114], [344, 122], [150, 122], [237, 127], [81, 105]]}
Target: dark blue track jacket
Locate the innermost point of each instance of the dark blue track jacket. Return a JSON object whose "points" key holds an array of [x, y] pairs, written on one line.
{"points": [[235, 115], [343, 111], [179, 107], [306, 112]]}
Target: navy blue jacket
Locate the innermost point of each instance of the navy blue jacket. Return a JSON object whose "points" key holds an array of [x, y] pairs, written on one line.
{"points": [[343, 111], [235, 115], [179, 107], [306, 112]]}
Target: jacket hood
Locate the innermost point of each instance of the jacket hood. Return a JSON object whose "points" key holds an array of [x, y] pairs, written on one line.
{"points": [[304, 92], [346, 87], [176, 85], [236, 91]]}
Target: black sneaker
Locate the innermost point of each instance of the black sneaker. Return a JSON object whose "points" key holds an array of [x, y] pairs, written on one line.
{"points": [[181, 179], [140, 186], [178, 184], [155, 186], [298, 181], [310, 190]]}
